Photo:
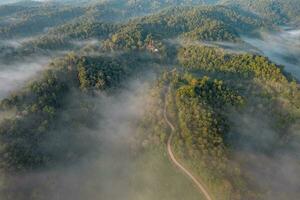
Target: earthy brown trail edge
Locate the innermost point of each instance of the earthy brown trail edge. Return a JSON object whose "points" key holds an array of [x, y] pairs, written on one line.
{"points": [[176, 162]]}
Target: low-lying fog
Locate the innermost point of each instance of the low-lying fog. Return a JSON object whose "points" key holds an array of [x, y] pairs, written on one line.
{"points": [[272, 167], [282, 48], [277, 170], [13, 76], [16, 70], [114, 169]]}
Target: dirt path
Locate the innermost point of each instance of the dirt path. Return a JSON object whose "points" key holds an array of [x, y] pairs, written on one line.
{"points": [[176, 162]]}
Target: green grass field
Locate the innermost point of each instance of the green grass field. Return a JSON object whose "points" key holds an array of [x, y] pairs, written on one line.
{"points": [[157, 178]]}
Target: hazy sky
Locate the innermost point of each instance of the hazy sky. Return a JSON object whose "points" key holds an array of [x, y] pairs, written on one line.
{"points": [[14, 1]]}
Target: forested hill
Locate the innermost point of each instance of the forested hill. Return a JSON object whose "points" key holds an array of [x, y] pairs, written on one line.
{"points": [[212, 23], [19, 21], [209, 23], [276, 11], [90, 123]]}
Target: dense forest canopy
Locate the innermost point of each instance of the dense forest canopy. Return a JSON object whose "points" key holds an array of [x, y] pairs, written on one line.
{"points": [[88, 90], [277, 11]]}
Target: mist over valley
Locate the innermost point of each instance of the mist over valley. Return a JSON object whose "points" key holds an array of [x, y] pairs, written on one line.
{"points": [[149, 100]]}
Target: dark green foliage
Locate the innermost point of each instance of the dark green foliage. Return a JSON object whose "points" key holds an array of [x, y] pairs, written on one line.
{"points": [[212, 31], [84, 29], [198, 108], [47, 43], [63, 37], [196, 21], [214, 59], [51, 112], [40, 104], [275, 11], [100, 73], [21, 137], [211, 92], [37, 21]]}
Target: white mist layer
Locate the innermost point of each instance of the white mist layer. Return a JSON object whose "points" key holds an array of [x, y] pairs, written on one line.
{"points": [[282, 48], [13, 76], [113, 170], [276, 172]]}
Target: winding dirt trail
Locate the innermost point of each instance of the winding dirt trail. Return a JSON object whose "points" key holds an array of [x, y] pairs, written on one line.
{"points": [[176, 162]]}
